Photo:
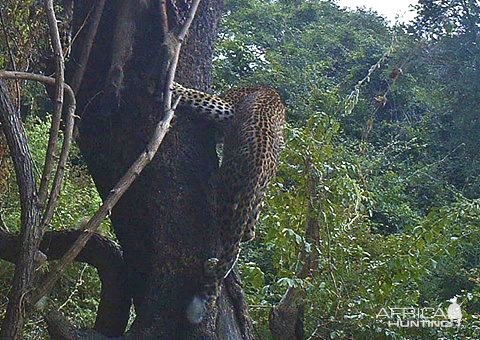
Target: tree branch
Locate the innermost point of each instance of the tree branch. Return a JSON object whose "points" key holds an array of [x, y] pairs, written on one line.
{"points": [[163, 16], [29, 220], [188, 21], [11, 56], [86, 47], [235, 293], [60, 328], [67, 138], [58, 101], [173, 43]]}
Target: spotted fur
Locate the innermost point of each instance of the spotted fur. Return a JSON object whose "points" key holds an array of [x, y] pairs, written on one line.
{"points": [[253, 140], [211, 106]]}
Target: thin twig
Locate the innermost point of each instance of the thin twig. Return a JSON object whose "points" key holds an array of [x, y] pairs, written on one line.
{"points": [[86, 47], [74, 291], [81, 27], [172, 66], [125, 182], [58, 102], [188, 21], [115, 194]]}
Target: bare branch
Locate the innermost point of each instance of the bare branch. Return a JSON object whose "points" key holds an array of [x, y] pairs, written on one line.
{"points": [[174, 42], [13, 323], [101, 253], [188, 21], [86, 47], [126, 180], [112, 199], [8, 245], [116, 193], [240, 307], [60, 328], [132, 173], [58, 101]]}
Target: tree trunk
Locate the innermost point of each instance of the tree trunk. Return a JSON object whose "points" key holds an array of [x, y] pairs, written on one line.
{"points": [[162, 222]]}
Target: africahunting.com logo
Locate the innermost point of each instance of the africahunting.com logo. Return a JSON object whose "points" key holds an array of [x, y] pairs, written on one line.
{"points": [[407, 317]]}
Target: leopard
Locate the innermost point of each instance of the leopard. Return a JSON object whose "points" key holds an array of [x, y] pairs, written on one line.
{"points": [[253, 119]]}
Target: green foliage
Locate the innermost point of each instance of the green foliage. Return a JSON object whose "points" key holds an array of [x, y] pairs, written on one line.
{"points": [[439, 19], [397, 228], [448, 66], [78, 198], [23, 34]]}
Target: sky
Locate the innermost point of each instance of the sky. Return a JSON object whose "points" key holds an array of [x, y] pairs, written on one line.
{"points": [[387, 8]]}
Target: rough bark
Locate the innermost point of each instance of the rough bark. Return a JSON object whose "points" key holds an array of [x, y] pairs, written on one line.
{"points": [[162, 222], [14, 320]]}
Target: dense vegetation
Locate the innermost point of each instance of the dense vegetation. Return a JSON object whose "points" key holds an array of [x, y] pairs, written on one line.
{"points": [[382, 153]]}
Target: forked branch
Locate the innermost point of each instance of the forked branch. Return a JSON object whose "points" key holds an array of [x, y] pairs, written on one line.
{"points": [[67, 138], [103, 254], [31, 231]]}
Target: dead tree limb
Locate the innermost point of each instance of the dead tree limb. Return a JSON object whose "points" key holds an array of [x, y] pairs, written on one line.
{"points": [[60, 328], [11, 57], [163, 16], [57, 102], [31, 209]]}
